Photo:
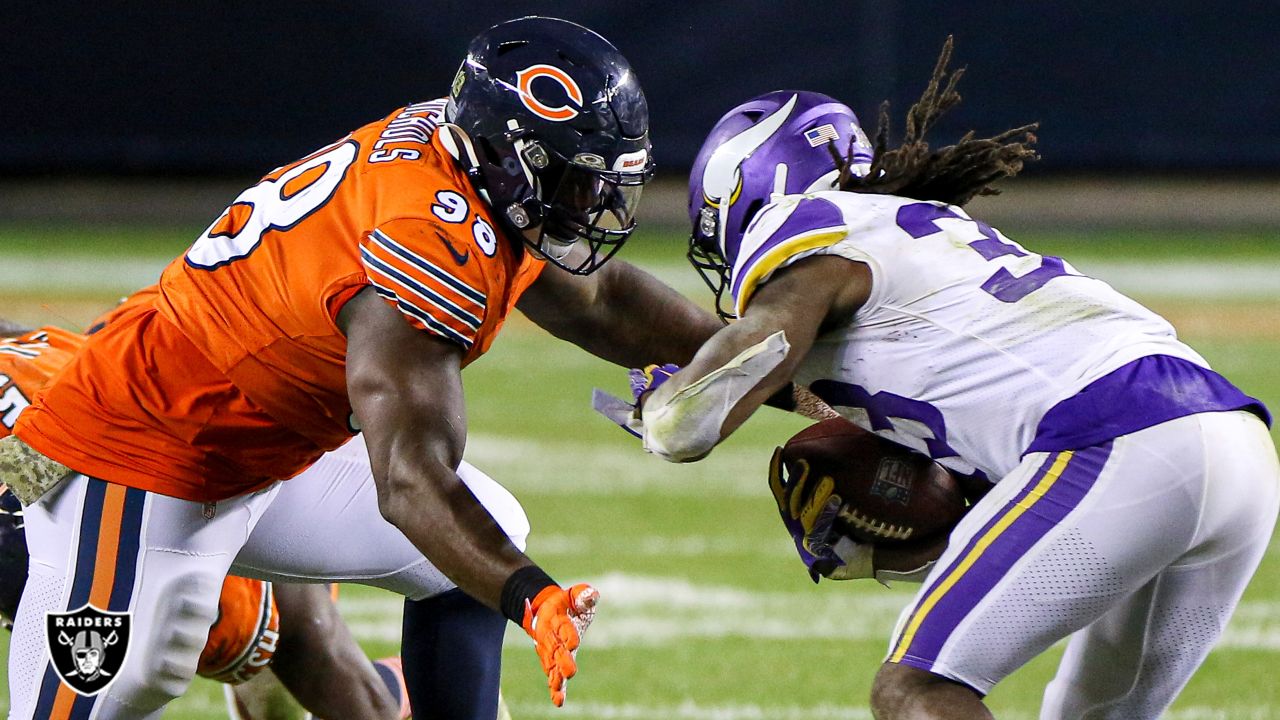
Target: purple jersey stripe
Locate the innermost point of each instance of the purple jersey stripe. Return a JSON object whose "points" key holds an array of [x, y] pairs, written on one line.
{"points": [[1043, 502], [1136, 396], [809, 215]]}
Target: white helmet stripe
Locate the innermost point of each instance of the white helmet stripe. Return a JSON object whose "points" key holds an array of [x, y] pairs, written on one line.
{"points": [[720, 177]]}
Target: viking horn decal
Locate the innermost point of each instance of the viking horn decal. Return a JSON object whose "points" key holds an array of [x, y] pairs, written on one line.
{"points": [[720, 178]]}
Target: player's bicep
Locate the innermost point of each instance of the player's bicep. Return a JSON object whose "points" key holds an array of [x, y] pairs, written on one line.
{"points": [[405, 386]]}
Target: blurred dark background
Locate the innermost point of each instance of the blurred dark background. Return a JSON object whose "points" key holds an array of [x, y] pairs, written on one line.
{"points": [[233, 88]]}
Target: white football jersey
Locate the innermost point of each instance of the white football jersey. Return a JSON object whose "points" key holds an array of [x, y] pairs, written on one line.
{"points": [[967, 338]]}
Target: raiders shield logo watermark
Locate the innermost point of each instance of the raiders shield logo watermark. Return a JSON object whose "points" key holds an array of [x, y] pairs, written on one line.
{"points": [[88, 647]]}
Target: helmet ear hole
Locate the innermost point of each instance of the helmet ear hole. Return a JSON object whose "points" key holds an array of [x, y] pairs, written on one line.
{"points": [[486, 150]]}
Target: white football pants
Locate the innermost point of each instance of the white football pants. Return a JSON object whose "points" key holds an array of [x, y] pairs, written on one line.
{"points": [[163, 561], [1140, 546]]}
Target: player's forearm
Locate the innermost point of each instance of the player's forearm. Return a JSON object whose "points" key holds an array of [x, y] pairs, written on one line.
{"points": [[640, 320], [621, 314], [744, 364], [729, 378], [436, 511]]}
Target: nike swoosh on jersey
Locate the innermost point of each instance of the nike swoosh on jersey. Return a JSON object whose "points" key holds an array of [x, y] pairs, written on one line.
{"points": [[459, 257]]}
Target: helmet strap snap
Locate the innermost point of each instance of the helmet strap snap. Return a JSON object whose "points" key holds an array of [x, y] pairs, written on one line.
{"points": [[536, 155], [518, 216]]}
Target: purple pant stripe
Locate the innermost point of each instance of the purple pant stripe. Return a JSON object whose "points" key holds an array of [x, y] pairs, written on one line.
{"points": [[1041, 515]]}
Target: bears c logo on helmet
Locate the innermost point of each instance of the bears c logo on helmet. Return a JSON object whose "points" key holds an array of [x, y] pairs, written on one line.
{"points": [[524, 83]]}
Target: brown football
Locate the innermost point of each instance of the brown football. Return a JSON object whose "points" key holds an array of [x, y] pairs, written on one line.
{"points": [[889, 494]]}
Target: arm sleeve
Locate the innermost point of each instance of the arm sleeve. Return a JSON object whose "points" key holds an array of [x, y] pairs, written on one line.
{"points": [[427, 271]]}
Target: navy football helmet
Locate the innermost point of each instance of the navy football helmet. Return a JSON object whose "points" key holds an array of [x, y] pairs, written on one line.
{"points": [[779, 142], [13, 555], [560, 132]]}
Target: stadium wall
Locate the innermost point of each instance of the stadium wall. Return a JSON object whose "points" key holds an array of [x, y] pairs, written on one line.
{"points": [[236, 87]]}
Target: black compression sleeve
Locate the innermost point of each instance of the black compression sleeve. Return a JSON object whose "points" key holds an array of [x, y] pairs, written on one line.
{"points": [[523, 585]]}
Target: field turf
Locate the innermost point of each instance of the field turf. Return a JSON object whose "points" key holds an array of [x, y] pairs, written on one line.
{"points": [[706, 613]]}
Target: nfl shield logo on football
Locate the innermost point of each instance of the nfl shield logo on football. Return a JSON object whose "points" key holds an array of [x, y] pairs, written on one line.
{"points": [[88, 647], [893, 481]]}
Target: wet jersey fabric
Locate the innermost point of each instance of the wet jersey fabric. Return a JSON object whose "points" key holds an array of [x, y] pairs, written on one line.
{"points": [[971, 348], [232, 374]]}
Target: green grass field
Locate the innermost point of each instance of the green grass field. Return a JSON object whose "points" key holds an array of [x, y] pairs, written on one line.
{"points": [[706, 613]]}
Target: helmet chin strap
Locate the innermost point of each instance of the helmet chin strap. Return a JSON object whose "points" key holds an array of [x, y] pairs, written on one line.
{"points": [[520, 145], [780, 179], [459, 147]]}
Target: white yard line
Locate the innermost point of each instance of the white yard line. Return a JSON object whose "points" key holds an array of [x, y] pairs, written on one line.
{"points": [[683, 546], [648, 611], [551, 467], [1238, 280], [79, 273]]}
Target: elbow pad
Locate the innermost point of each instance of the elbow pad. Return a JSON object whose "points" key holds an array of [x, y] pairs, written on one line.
{"points": [[685, 426]]}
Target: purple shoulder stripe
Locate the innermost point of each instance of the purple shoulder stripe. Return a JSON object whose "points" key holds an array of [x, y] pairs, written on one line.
{"points": [[809, 215]]}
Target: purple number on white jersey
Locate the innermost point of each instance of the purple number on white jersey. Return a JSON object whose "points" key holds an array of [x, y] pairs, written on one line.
{"points": [[920, 219], [883, 406]]}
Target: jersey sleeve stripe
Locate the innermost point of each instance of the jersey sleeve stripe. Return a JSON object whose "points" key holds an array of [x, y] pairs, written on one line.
{"points": [[771, 260], [423, 317], [426, 321], [396, 270], [20, 351], [385, 242], [404, 285]]}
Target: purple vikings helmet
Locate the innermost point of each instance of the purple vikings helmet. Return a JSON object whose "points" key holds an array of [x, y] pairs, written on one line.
{"points": [[775, 143]]}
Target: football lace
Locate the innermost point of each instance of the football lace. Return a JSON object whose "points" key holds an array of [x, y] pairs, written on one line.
{"points": [[871, 526]]}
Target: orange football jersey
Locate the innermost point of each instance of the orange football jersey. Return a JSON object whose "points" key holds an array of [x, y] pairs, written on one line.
{"points": [[27, 362], [233, 375], [243, 640]]}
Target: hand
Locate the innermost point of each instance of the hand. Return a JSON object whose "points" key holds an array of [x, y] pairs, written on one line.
{"points": [[556, 620], [626, 415], [809, 510], [649, 379]]}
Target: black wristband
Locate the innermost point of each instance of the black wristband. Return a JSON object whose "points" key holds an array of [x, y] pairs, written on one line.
{"points": [[523, 585]]}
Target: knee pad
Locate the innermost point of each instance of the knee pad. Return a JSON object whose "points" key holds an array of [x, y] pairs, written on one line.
{"points": [[171, 626]]}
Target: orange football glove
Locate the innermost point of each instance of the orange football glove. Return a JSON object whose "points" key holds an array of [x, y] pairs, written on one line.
{"points": [[556, 620]]}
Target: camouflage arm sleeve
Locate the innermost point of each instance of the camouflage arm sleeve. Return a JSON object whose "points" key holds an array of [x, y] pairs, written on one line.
{"points": [[28, 473]]}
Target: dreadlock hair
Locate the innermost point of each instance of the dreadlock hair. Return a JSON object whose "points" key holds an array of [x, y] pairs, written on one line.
{"points": [[954, 174]]}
